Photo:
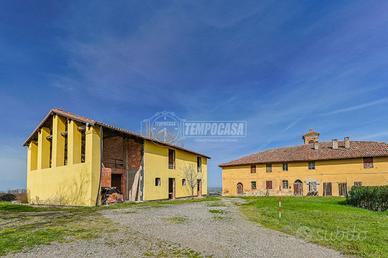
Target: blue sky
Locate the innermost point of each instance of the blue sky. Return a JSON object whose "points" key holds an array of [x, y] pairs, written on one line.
{"points": [[283, 66]]}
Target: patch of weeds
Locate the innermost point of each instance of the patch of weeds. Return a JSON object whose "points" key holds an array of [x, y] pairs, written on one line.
{"points": [[174, 251], [216, 211], [177, 219], [156, 204], [216, 204]]}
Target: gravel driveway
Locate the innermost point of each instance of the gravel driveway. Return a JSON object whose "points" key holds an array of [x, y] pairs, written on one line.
{"points": [[196, 229]]}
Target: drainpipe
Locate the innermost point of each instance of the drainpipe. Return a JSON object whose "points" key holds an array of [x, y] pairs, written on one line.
{"points": [[101, 159]]}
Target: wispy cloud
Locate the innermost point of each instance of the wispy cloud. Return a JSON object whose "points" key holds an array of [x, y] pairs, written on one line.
{"points": [[358, 107]]}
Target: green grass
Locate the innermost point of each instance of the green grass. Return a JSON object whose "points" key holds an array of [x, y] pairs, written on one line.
{"points": [[326, 221], [24, 226]]}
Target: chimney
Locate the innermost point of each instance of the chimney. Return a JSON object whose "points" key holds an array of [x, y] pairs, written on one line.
{"points": [[316, 145], [347, 142], [335, 144]]}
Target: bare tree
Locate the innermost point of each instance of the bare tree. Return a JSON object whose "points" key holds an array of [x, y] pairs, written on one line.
{"points": [[191, 175]]}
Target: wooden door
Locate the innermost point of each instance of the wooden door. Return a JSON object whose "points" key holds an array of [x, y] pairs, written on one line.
{"points": [[199, 187], [342, 189], [298, 188], [171, 188], [327, 189], [240, 188]]}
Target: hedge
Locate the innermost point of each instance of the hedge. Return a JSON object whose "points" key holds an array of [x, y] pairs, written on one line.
{"points": [[369, 197]]}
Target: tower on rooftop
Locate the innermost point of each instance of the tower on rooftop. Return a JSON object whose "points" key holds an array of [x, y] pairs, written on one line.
{"points": [[310, 137]]}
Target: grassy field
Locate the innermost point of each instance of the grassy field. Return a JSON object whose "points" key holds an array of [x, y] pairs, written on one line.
{"points": [[326, 221], [23, 226]]}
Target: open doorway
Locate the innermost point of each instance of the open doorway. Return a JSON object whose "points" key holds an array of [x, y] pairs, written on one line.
{"points": [[116, 181], [199, 187], [171, 188]]}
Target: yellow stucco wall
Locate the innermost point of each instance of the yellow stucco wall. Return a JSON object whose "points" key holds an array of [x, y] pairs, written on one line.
{"points": [[73, 184], [156, 165], [334, 171], [52, 181]]}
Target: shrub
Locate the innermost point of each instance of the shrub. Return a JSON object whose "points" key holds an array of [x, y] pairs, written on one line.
{"points": [[8, 197], [369, 197]]}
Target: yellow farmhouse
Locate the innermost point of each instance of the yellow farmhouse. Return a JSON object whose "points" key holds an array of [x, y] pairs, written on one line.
{"points": [[314, 168], [71, 158]]}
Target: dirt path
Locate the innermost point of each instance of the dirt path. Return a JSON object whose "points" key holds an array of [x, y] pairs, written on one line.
{"points": [[197, 229]]}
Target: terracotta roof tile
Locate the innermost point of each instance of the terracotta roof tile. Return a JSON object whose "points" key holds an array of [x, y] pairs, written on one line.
{"points": [[306, 152]]}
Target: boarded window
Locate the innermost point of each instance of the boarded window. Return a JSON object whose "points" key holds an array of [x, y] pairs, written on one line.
{"points": [[342, 189], [157, 181], [253, 168], [327, 189], [311, 165], [253, 185], [368, 162], [285, 166], [183, 182], [199, 164], [358, 183], [285, 184], [268, 167], [171, 159], [268, 185]]}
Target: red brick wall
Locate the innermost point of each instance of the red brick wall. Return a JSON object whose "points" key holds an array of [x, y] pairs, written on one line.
{"points": [[106, 178], [113, 149], [134, 154]]}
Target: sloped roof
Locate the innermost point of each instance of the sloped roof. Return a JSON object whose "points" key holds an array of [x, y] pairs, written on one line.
{"points": [[306, 152], [93, 122]]}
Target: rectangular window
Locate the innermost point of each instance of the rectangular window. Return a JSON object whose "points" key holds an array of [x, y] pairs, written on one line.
{"points": [[285, 166], [285, 184], [368, 162], [157, 181], [199, 164], [311, 165], [253, 169], [268, 185], [171, 159], [342, 189], [358, 183], [327, 189], [268, 167], [183, 182], [253, 185]]}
